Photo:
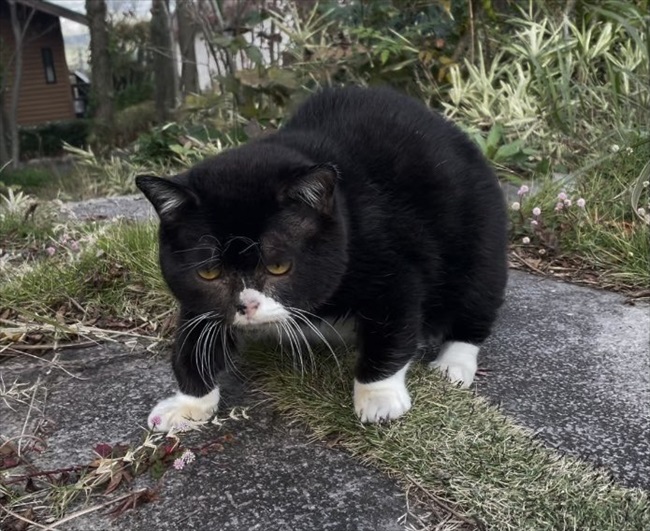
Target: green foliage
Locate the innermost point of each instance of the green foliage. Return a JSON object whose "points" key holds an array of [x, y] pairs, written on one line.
{"points": [[568, 90], [132, 121], [100, 176], [27, 178], [506, 155], [130, 52], [174, 143], [47, 140], [399, 41]]}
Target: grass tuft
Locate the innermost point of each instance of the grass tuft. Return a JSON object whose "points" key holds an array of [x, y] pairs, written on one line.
{"points": [[457, 447]]}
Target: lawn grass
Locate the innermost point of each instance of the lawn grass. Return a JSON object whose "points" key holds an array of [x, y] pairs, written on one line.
{"points": [[113, 279], [456, 446]]}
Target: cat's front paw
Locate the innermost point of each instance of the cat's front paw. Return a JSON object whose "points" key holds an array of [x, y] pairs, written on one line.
{"points": [[180, 410], [382, 400], [458, 361]]}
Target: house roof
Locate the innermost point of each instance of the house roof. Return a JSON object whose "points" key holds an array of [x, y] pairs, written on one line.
{"points": [[55, 10]]}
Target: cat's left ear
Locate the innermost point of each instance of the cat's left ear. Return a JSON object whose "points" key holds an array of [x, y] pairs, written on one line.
{"points": [[166, 196], [315, 187]]}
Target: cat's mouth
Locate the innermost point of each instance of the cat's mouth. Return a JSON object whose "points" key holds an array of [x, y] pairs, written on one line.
{"points": [[256, 309]]}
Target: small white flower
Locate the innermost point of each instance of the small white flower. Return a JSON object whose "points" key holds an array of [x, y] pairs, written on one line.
{"points": [[537, 211], [525, 240], [646, 184], [534, 223], [562, 196], [515, 206], [641, 212], [188, 456], [567, 202], [615, 148], [581, 202]]}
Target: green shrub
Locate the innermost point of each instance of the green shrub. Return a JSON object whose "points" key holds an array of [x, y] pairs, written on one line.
{"points": [[184, 144], [26, 178], [133, 121], [47, 140]]}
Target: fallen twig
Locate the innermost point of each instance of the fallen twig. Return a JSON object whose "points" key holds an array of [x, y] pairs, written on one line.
{"points": [[438, 501]]}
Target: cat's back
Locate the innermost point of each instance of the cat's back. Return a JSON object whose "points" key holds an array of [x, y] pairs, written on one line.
{"points": [[356, 115]]}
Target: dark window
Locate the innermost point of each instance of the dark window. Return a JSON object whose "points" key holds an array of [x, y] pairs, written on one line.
{"points": [[48, 65]]}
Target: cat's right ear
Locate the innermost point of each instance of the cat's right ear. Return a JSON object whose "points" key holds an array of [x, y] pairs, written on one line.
{"points": [[166, 196]]}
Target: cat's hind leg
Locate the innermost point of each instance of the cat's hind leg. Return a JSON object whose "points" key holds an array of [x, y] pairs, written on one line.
{"points": [[458, 360], [201, 348], [458, 356]]}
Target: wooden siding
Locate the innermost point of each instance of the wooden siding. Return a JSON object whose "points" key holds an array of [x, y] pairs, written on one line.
{"points": [[38, 101]]}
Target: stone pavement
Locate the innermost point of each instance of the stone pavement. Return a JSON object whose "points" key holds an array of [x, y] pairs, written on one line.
{"points": [[270, 477], [573, 364]]}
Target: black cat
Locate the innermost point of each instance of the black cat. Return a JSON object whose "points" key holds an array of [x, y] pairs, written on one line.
{"points": [[365, 204]]}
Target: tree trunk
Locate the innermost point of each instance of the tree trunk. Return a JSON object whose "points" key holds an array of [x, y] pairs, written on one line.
{"points": [[19, 38], [4, 151], [103, 92], [164, 68], [186, 38]]}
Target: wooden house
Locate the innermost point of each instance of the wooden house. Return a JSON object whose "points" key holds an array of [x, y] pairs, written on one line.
{"points": [[46, 93]]}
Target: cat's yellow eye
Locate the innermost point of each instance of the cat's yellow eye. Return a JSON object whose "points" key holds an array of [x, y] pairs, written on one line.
{"points": [[278, 268], [209, 274]]}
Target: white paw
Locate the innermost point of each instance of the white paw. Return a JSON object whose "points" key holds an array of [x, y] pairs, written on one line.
{"points": [[183, 410], [458, 361], [383, 400]]}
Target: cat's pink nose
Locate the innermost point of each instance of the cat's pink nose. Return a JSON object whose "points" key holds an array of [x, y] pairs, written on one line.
{"points": [[248, 309]]}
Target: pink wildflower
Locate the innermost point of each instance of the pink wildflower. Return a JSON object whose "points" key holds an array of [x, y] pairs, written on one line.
{"points": [[562, 196], [523, 190], [559, 206], [581, 202], [156, 420], [188, 457], [50, 251], [74, 246], [525, 240], [515, 206], [537, 211]]}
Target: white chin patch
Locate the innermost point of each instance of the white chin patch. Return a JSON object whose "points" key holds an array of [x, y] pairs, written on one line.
{"points": [[382, 400], [258, 309], [458, 361], [182, 410]]}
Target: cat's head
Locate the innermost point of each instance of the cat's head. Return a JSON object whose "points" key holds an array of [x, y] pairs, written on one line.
{"points": [[250, 234]]}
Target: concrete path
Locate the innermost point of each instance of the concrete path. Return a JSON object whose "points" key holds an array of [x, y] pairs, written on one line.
{"points": [[573, 364], [268, 477]]}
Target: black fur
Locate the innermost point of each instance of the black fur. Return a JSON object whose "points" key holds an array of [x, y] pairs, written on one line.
{"points": [[388, 211]]}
